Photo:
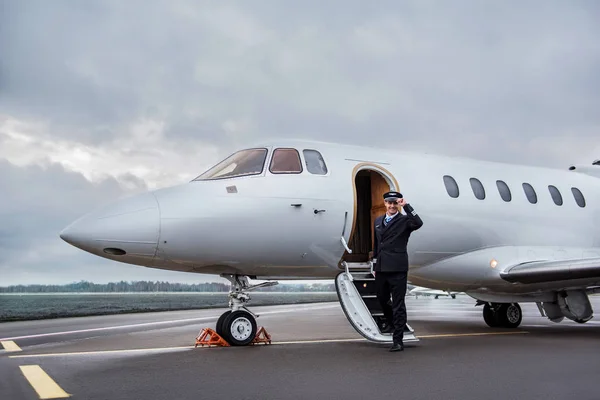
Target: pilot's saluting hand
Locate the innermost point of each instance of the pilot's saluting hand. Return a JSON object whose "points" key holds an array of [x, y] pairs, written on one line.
{"points": [[402, 202]]}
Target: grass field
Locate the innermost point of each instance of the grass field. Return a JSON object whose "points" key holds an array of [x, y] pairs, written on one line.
{"points": [[18, 307]]}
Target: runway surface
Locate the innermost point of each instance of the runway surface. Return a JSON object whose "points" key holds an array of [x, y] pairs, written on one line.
{"points": [[315, 354]]}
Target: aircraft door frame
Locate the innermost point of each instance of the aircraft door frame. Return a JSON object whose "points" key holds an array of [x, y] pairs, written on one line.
{"points": [[351, 230]]}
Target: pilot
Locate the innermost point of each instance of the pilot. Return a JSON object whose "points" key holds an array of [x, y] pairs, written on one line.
{"points": [[390, 259]]}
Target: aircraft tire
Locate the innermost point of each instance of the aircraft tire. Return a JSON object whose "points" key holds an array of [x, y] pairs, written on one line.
{"points": [[510, 315], [239, 328], [219, 326], [490, 316]]}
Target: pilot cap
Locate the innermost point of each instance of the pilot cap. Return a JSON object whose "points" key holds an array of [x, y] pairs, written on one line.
{"points": [[392, 196]]}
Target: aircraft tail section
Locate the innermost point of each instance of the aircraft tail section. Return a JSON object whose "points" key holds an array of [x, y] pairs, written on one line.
{"points": [[357, 294]]}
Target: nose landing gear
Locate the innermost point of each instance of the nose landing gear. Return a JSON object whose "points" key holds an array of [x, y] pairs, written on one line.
{"points": [[238, 326]]}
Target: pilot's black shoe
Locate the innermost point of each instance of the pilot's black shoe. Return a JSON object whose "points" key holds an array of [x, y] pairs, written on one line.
{"points": [[397, 347], [387, 328]]}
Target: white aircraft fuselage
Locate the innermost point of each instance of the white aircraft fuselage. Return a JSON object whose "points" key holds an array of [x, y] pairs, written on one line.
{"points": [[290, 225]]}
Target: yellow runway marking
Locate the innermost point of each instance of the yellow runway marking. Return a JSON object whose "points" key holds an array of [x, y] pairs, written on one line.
{"points": [[45, 386], [9, 345]]}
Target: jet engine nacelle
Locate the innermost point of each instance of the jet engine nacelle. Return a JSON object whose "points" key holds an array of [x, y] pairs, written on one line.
{"points": [[573, 304]]}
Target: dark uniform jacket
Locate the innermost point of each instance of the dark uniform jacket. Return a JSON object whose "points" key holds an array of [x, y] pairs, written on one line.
{"points": [[390, 242]]}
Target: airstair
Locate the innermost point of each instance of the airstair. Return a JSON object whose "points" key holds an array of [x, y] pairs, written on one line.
{"points": [[357, 293]]}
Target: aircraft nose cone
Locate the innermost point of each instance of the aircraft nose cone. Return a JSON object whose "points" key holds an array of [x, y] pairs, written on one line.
{"points": [[127, 230], [66, 235]]}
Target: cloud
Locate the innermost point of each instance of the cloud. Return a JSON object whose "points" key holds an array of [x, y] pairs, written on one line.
{"points": [[144, 94], [414, 69], [141, 158]]}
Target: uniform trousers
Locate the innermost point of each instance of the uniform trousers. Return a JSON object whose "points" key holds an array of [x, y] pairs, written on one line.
{"points": [[393, 283]]}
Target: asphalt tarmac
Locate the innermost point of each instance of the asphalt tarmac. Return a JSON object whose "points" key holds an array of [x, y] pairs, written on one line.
{"points": [[315, 354]]}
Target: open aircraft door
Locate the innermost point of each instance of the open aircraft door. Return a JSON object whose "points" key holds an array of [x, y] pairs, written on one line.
{"points": [[355, 285]]}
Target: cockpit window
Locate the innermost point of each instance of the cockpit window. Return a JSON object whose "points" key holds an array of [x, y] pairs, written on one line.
{"points": [[242, 163], [286, 161], [315, 164]]}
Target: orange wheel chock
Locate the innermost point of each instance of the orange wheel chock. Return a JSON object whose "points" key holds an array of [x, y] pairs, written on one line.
{"points": [[209, 337], [262, 336]]}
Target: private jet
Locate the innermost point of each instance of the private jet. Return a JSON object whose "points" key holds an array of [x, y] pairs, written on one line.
{"points": [[503, 234]]}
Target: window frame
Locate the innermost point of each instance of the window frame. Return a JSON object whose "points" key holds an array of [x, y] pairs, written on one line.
{"points": [[505, 186], [573, 190], [287, 172], [474, 181], [450, 178], [555, 192], [322, 158], [262, 170], [526, 185]]}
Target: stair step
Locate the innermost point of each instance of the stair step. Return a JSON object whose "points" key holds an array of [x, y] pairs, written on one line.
{"points": [[358, 264], [362, 309], [357, 267]]}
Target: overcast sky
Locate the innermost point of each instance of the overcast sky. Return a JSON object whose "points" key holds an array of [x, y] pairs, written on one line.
{"points": [[103, 99]]}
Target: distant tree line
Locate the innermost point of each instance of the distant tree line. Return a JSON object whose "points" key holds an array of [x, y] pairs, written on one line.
{"points": [[147, 286]]}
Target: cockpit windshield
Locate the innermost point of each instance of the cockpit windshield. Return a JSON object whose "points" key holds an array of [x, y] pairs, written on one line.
{"points": [[242, 163]]}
